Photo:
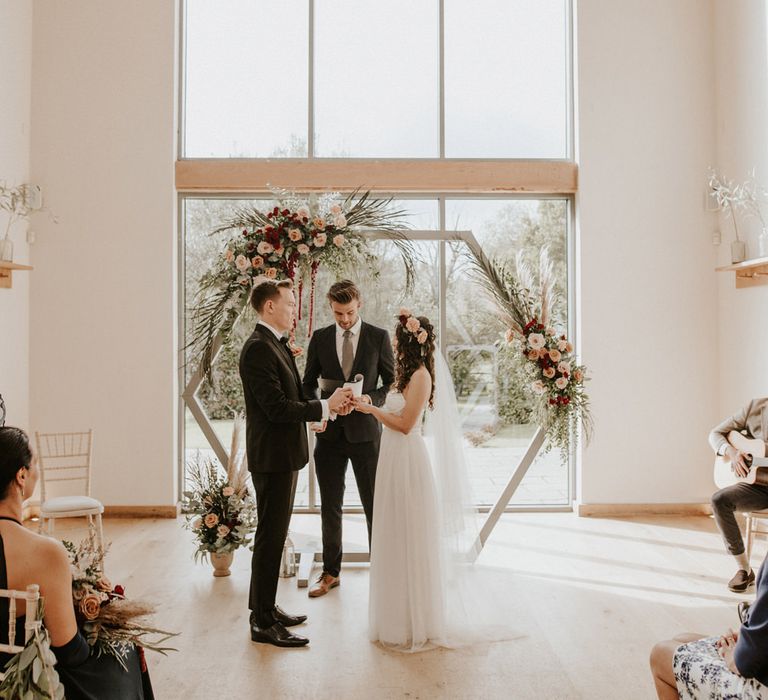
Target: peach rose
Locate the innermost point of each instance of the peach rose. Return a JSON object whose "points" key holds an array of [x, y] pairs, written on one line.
{"points": [[197, 523], [538, 387], [338, 240], [90, 606], [320, 239], [421, 338], [550, 331], [211, 520], [270, 273], [578, 375], [549, 372], [561, 345], [265, 248], [404, 312], [564, 367], [242, 263], [294, 234], [227, 491], [319, 222], [303, 248], [536, 340], [103, 584], [568, 347], [561, 382], [229, 255], [555, 355], [509, 335], [257, 261], [340, 221], [336, 209], [413, 325], [222, 530], [533, 355]]}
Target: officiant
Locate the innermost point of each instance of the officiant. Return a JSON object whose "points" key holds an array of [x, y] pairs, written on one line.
{"points": [[348, 350]]}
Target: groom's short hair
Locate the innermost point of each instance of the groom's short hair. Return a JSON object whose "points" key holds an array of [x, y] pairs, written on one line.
{"points": [[265, 291], [343, 292]]}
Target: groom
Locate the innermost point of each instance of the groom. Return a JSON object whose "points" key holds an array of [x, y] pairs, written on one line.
{"points": [[276, 445], [337, 354]]}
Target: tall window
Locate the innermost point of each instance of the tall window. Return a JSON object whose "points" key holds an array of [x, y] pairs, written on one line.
{"points": [[470, 98]]}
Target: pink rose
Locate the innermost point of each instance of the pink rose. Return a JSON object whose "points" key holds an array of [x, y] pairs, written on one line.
{"points": [[257, 261], [265, 248], [338, 240], [564, 367], [340, 221], [549, 372], [211, 520], [197, 523], [578, 375], [227, 491], [294, 234], [550, 331], [561, 345], [536, 340], [103, 584], [222, 531], [554, 355], [413, 325], [404, 312], [336, 209], [421, 338], [320, 239], [270, 273], [561, 382], [242, 263], [303, 212], [303, 248]]}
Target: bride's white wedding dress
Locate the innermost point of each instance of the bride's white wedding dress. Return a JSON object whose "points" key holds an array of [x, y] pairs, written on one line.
{"points": [[407, 603], [425, 588]]}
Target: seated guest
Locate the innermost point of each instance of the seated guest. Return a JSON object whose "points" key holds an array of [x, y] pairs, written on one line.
{"points": [[732, 666], [752, 420], [27, 558]]}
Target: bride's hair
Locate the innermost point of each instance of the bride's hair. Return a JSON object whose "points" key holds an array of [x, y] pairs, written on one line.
{"points": [[415, 337]]}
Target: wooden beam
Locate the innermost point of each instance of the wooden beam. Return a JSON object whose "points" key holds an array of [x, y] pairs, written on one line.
{"points": [[305, 175]]}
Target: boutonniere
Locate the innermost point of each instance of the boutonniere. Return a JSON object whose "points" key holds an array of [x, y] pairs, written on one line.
{"points": [[296, 350]]}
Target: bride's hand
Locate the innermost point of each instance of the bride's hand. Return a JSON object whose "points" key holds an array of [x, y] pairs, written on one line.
{"points": [[363, 406]]}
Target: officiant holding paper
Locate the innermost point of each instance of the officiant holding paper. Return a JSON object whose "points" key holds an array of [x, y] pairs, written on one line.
{"points": [[349, 350]]}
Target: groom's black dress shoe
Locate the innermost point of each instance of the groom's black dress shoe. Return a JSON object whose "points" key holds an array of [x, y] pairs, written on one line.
{"points": [[277, 635], [287, 620]]}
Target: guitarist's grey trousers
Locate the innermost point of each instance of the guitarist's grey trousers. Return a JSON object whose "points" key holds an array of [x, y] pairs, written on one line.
{"points": [[738, 497]]}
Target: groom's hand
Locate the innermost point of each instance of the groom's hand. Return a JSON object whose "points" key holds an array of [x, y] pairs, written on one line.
{"points": [[339, 400]]}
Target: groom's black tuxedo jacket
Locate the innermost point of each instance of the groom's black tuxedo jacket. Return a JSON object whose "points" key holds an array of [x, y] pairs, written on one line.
{"points": [[275, 410], [373, 359]]}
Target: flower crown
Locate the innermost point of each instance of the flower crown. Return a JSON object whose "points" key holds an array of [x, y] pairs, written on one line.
{"points": [[413, 326]]}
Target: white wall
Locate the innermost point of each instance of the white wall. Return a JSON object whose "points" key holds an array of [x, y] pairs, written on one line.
{"points": [[15, 102], [742, 144], [104, 296], [648, 291]]}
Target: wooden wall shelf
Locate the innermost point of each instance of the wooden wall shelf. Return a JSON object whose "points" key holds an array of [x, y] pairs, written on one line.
{"points": [[750, 273], [6, 273]]}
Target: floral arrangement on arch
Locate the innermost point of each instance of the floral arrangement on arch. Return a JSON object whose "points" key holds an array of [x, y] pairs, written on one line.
{"points": [[543, 357], [110, 623], [292, 240], [220, 511]]}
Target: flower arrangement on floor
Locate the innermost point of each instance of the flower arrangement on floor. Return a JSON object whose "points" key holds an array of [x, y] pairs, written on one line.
{"points": [[31, 673], [290, 241], [109, 622], [542, 357], [220, 511]]}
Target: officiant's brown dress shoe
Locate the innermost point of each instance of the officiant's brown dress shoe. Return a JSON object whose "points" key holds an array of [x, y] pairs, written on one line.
{"points": [[277, 635], [741, 581], [324, 584]]}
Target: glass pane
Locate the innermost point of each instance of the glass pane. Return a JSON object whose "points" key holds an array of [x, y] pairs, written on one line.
{"points": [[376, 78], [495, 417], [505, 79], [246, 79]]}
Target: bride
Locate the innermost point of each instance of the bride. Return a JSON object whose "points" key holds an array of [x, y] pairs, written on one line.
{"points": [[424, 537]]}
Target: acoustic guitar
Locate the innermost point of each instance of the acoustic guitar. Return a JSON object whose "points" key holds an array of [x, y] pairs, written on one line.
{"points": [[755, 459]]}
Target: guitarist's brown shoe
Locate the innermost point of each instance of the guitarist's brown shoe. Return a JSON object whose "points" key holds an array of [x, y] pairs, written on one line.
{"points": [[741, 581], [324, 584]]}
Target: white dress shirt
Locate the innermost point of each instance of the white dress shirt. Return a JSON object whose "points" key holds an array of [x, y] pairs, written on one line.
{"points": [[279, 335]]}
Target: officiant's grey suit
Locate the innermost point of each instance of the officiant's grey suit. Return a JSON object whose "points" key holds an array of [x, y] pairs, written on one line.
{"points": [[353, 438]]}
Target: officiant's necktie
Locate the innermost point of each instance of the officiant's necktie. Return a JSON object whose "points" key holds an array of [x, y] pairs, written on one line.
{"points": [[347, 357]]}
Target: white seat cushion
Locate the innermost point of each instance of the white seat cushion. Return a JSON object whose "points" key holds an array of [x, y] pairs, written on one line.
{"points": [[69, 504]]}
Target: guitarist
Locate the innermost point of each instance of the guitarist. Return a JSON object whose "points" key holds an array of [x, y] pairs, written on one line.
{"points": [[753, 421]]}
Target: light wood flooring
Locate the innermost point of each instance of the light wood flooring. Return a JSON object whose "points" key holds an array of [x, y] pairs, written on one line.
{"points": [[588, 596]]}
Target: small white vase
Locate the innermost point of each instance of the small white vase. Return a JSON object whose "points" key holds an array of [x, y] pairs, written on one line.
{"points": [[6, 249], [738, 251]]}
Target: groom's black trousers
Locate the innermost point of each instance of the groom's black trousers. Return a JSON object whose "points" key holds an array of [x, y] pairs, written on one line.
{"points": [[331, 457], [275, 492]]}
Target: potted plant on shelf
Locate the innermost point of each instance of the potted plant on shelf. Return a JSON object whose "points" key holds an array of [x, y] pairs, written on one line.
{"points": [[220, 511], [20, 202]]}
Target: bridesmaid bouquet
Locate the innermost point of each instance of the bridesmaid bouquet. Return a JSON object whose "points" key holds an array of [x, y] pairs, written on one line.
{"points": [[220, 511], [109, 622]]}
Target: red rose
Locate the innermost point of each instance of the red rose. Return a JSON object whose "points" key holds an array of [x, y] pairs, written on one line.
{"points": [[286, 212], [119, 590], [276, 211], [566, 400], [269, 215]]}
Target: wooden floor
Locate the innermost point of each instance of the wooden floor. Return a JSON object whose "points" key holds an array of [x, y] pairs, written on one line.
{"points": [[588, 596]]}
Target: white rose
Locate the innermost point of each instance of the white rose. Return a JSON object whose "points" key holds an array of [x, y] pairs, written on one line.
{"points": [[320, 239], [538, 387], [561, 382], [340, 221], [336, 209], [536, 340], [242, 263], [338, 240], [564, 368], [265, 248]]}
